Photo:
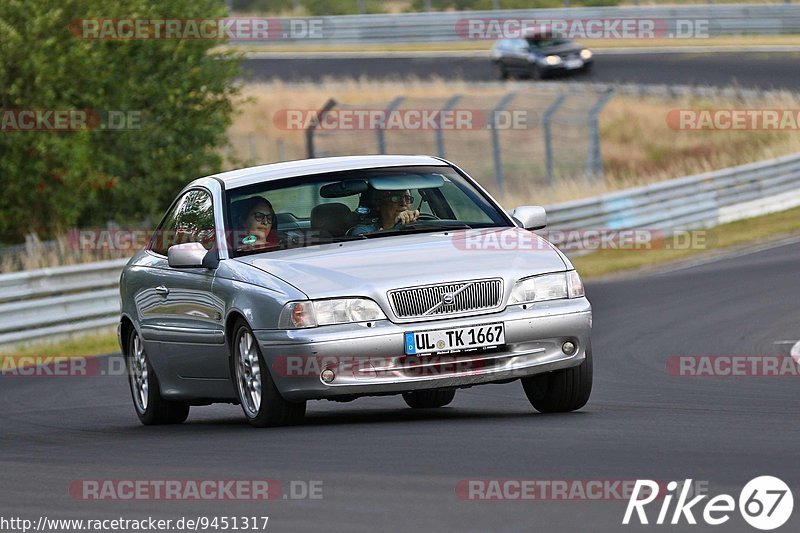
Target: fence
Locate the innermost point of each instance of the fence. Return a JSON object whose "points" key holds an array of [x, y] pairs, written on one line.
{"points": [[441, 27], [535, 135], [49, 302]]}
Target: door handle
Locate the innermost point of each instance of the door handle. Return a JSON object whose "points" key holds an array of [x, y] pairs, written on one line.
{"points": [[162, 290]]}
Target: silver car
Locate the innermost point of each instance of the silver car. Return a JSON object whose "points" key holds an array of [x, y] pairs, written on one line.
{"points": [[344, 277]]}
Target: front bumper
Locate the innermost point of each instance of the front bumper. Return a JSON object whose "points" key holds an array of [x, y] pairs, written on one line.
{"points": [[369, 360], [565, 66]]}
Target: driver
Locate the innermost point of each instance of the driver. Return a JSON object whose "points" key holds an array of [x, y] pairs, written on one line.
{"points": [[256, 222], [392, 208]]}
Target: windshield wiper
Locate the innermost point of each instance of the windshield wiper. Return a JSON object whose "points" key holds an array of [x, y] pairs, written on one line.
{"points": [[416, 227]]}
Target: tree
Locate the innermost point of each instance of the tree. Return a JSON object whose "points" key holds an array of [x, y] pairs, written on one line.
{"points": [[179, 90]]}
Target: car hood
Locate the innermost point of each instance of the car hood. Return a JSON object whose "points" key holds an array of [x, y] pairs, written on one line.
{"points": [[372, 267]]}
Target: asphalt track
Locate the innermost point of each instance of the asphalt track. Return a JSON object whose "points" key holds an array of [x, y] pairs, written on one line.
{"points": [[762, 70], [385, 467]]}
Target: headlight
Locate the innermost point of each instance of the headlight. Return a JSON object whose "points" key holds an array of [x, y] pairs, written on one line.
{"points": [[547, 287], [552, 60], [586, 54], [326, 312]]}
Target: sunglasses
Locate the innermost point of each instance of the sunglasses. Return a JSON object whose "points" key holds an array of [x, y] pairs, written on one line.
{"points": [[269, 218], [401, 198]]}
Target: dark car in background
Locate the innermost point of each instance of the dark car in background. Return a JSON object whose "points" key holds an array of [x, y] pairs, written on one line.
{"points": [[539, 56]]}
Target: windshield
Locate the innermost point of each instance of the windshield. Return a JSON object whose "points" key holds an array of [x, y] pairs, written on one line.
{"points": [[362, 204], [547, 42]]}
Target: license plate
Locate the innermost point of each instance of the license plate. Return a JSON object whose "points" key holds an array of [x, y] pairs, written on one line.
{"points": [[443, 340], [573, 63]]}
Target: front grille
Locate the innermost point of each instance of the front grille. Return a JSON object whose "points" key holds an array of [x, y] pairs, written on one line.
{"points": [[467, 296]]}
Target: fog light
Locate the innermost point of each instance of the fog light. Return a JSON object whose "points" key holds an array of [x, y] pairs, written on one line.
{"points": [[568, 348], [327, 375]]}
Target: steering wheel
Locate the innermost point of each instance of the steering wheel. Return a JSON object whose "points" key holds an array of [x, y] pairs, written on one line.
{"points": [[427, 216]]}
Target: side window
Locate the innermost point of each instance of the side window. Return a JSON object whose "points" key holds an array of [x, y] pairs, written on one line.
{"points": [[163, 238], [191, 220]]}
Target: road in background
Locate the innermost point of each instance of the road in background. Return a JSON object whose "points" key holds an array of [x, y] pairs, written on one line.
{"points": [[386, 466], [748, 69]]}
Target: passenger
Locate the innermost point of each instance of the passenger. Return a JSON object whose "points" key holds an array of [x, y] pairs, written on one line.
{"points": [[256, 222], [390, 208]]}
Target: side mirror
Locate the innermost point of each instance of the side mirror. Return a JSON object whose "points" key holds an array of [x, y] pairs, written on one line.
{"points": [[530, 216], [192, 255]]}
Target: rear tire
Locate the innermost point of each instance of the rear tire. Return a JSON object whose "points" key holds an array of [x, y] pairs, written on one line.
{"points": [[561, 391], [429, 399], [262, 403], [151, 408]]}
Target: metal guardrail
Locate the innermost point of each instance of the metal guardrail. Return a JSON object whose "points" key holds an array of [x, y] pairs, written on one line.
{"points": [[700, 201], [438, 27], [56, 301]]}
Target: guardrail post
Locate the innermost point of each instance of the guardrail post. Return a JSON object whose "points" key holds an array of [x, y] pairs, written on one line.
{"points": [[394, 104], [450, 104], [548, 141], [594, 162], [498, 162], [330, 104]]}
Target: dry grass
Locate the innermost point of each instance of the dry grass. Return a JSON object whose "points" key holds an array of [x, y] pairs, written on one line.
{"points": [[638, 147], [60, 252]]}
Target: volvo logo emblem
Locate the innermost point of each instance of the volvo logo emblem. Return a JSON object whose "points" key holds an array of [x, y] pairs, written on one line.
{"points": [[448, 299]]}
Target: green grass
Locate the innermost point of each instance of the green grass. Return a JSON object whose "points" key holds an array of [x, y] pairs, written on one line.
{"points": [[724, 236], [88, 345]]}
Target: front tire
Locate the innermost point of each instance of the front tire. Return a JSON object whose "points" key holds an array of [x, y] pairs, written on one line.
{"points": [[429, 399], [262, 403], [563, 390], [535, 73], [151, 408], [500, 71]]}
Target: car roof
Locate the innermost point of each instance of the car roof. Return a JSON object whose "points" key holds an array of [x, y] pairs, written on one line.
{"points": [[322, 165]]}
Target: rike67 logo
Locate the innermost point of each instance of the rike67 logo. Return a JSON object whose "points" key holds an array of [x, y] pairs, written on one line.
{"points": [[765, 503]]}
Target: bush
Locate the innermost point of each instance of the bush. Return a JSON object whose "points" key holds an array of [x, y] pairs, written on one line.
{"points": [[182, 93]]}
